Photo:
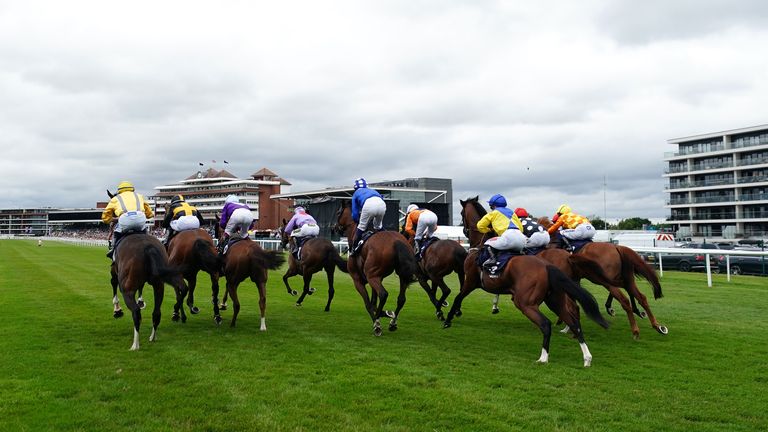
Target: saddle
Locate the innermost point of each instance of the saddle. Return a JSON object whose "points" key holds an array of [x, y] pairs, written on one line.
{"points": [[426, 243], [502, 258], [119, 239], [363, 238], [533, 251], [231, 242]]}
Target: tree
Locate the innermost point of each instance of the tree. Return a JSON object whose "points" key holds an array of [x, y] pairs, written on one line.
{"points": [[634, 223], [599, 223]]}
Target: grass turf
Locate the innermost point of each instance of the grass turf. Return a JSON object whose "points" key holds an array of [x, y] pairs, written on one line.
{"points": [[65, 363]]}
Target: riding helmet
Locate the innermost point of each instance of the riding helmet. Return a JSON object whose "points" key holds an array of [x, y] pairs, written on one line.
{"points": [[521, 212], [231, 199], [411, 208], [125, 186], [177, 199], [563, 209], [360, 183], [299, 209], [497, 200]]}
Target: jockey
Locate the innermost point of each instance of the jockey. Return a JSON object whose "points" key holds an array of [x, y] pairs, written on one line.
{"points": [[234, 217], [181, 216], [571, 225], [368, 210], [537, 236], [425, 222], [505, 223], [130, 209], [301, 226]]}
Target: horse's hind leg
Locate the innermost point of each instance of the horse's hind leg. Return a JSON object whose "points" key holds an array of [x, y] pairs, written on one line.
{"points": [[159, 292], [558, 305], [543, 323], [292, 271], [635, 292], [263, 304], [130, 303], [307, 277], [117, 311], [400, 304], [441, 301], [381, 293], [191, 284], [215, 297], [616, 293], [329, 271], [495, 305], [179, 287], [232, 291]]}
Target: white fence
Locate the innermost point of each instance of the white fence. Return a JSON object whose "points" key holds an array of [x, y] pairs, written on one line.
{"points": [[708, 253]]}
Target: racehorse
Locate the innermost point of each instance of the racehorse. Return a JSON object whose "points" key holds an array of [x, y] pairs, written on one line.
{"points": [[440, 259], [621, 265], [382, 254], [192, 251], [316, 254], [574, 266], [140, 259], [530, 281], [246, 259]]}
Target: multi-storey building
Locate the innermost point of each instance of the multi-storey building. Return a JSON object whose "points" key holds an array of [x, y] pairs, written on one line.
{"points": [[24, 221], [208, 189], [718, 184]]}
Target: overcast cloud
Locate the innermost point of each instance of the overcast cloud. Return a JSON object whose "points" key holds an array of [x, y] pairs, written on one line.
{"points": [[538, 102]]}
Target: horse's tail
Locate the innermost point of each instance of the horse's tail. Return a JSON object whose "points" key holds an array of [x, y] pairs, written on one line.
{"points": [[459, 256], [206, 258], [558, 279], [405, 262], [269, 260], [589, 269], [333, 256], [158, 268], [632, 265]]}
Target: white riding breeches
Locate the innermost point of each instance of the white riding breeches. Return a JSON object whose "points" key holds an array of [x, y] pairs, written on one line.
{"points": [[427, 225], [537, 240], [133, 220], [306, 230], [372, 214], [584, 231], [512, 239], [241, 219], [184, 223]]}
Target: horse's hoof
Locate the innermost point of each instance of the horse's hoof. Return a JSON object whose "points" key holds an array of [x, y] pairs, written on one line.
{"points": [[636, 336], [311, 291], [175, 317], [377, 331], [298, 304], [327, 309], [117, 314], [610, 311], [389, 314], [662, 329], [446, 324], [440, 316], [141, 304], [217, 320], [643, 315], [392, 327], [445, 303], [458, 313], [194, 310], [494, 311], [223, 306], [293, 293], [183, 318]]}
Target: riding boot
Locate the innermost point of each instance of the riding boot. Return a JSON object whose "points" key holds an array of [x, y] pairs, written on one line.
{"points": [[357, 242], [566, 244], [417, 250], [491, 261], [171, 234], [113, 244]]}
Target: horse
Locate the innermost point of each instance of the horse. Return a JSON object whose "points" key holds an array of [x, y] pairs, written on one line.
{"points": [[621, 265], [385, 252], [192, 251], [246, 259], [316, 254], [574, 266], [140, 259], [530, 281], [440, 259]]}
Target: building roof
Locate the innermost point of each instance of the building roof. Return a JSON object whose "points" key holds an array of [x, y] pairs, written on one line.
{"points": [[211, 173], [264, 172], [718, 134]]}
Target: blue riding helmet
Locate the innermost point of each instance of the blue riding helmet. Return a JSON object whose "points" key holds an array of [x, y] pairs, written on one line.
{"points": [[497, 200], [360, 183]]}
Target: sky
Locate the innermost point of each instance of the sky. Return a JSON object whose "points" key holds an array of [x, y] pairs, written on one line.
{"points": [[544, 102]]}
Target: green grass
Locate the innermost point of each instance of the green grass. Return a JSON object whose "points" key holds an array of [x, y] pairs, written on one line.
{"points": [[65, 363]]}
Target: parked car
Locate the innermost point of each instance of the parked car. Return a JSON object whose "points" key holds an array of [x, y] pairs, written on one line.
{"points": [[749, 265], [685, 261]]}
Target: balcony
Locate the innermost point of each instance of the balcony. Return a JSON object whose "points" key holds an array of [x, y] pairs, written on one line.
{"points": [[753, 161], [678, 201], [753, 179], [713, 199], [712, 165], [755, 215]]}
